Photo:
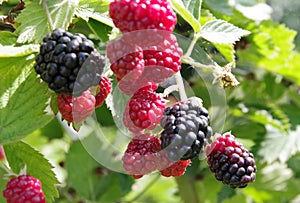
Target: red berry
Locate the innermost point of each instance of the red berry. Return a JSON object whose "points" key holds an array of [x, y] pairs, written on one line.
{"points": [[104, 90], [146, 108], [141, 156], [22, 189], [131, 15], [76, 109], [230, 161], [176, 168], [129, 124], [2, 154], [125, 58], [162, 60]]}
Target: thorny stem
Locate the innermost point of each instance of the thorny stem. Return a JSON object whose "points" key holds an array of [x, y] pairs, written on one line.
{"points": [[48, 14], [4, 166], [150, 184]]}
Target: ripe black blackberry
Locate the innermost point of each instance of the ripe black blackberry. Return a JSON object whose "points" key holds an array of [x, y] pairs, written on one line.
{"points": [[69, 63], [230, 161], [186, 130]]}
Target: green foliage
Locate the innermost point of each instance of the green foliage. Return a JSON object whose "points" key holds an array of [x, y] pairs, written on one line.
{"points": [[20, 154], [91, 180], [222, 32], [33, 21], [262, 112]]}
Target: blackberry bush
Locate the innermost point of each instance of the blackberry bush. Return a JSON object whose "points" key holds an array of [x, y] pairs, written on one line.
{"points": [[186, 130], [68, 63]]}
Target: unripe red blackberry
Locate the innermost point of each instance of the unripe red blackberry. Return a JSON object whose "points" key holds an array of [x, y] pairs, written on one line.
{"points": [[146, 108], [141, 156], [176, 169], [76, 109], [163, 59], [104, 90], [143, 14], [230, 161], [24, 189], [186, 130], [68, 63]]}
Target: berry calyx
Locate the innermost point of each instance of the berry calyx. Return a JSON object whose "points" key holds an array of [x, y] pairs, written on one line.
{"points": [[143, 14], [186, 130], [76, 109], [146, 108], [176, 169], [24, 188], [104, 90], [230, 161], [141, 156]]}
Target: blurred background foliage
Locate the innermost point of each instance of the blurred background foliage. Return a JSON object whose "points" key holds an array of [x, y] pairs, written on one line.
{"points": [[263, 112]]}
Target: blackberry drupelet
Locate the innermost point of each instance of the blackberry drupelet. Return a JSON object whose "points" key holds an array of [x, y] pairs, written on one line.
{"points": [[186, 130], [69, 63], [230, 161]]}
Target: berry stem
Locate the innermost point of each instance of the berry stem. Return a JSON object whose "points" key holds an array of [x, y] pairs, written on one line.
{"points": [[192, 45], [45, 6], [180, 84], [4, 166], [150, 184], [187, 190]]}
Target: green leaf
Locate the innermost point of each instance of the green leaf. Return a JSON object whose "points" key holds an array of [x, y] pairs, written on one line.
{"points": [[20, 154], [227, 50], [11, 51], [22, 100], [180, 8], [225, 193], [222, 32], [100, 29], [272, 48], [194, 7], [34, 23], [7, 38], [95, 9], [279, 147], [91, 180], [220, 6]]}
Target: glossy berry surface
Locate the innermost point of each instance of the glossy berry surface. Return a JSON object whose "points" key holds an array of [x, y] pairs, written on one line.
{"points": [[231, 162], [131, 15], [176, 169], [104, 90], [146, 108], [24, 189], [141, 156], [68, 62], [76, 109], [186, 130]]}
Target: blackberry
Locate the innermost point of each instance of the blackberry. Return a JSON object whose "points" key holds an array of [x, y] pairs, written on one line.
{"points": [[69, 63], [186, 130], [230, 161]]}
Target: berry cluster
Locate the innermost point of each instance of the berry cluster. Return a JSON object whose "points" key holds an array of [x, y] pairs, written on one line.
{"points": [[186, 130], [70, 65], [24, 188], [231, 162]]}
